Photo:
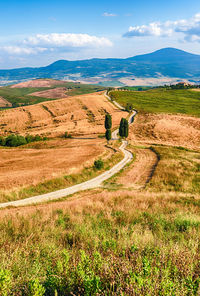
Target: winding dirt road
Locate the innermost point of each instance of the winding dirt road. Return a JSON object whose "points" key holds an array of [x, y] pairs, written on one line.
{"points": [[93, 183]]}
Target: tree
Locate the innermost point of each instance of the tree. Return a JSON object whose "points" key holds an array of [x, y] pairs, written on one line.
{"points": [[126, 128], [108, 135], [123, 128], [129, 107], [108, 121]]}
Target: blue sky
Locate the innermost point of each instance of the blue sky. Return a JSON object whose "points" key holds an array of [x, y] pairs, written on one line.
{"points": [[36, 33]]}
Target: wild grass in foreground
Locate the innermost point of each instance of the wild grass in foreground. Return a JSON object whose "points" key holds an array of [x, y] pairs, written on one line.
{"points": [[122, 245], [161, 100]]}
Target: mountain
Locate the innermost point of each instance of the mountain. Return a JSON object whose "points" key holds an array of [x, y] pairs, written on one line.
{"points": [[167, 63]]}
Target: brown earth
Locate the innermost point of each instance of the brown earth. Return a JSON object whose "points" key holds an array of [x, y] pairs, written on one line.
{"points": [[30, 166], [177, 130], [140, 171], [4, 103], [55, 93], [79, 115], [38, 83]]}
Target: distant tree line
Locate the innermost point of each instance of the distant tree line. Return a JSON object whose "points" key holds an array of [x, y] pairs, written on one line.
{"points": [[18, 140]]}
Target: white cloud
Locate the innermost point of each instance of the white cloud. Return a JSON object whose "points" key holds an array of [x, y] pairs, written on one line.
{"points": [[153, 29], [22, 50], [189, 28], [67, 40], [109, 14]]}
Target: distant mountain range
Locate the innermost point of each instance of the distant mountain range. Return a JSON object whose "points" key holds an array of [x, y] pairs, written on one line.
{"points": [[166, 65]]}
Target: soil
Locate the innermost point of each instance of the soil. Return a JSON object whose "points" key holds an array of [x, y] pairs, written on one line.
{"points": [[38, 83], [55, 93]]}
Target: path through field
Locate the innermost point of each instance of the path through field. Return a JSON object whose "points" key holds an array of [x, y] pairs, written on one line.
{"points": [[93, 183], [139, 175]]}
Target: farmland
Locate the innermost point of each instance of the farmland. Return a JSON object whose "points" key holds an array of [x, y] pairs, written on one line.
{"points": [[23, 93], [136, 235], [161, 100]]}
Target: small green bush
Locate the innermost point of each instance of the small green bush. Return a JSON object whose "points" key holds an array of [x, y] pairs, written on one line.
{"points": [[98, 164], [67, 135], [5, 282], [35, 288]]}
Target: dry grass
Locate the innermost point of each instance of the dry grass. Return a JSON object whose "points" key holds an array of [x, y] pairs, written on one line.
{"points": [[21, 167], [80, 115], [38, 83], [55, 93], [176, 130], [139, 173]]}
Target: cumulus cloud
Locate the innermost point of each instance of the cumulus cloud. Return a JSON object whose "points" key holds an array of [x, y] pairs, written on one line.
{"points": [[109, 14], [189, 28], [22, 50], [55, 42], [67, 40]]}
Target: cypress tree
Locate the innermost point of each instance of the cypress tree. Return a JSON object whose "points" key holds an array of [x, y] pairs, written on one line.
{"points": [[108, 135], [126, 128], [108, 121], [121, 128]]}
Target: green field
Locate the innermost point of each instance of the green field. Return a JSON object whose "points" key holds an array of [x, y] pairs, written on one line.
{"points": [[161, 100], [20, 96]]}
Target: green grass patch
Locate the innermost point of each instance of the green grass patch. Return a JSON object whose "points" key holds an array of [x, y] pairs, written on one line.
{"points": [[161, 100]]}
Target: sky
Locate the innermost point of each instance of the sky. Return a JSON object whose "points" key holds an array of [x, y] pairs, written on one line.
{"points": [[36, 33]]}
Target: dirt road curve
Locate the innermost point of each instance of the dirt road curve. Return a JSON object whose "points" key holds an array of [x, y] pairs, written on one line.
{"points": [[93, 183]]}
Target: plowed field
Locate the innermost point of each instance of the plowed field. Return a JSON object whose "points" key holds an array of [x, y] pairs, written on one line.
{"points": [[79, 115]]}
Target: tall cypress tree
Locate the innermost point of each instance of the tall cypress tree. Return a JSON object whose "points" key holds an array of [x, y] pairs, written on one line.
{"points": [[108, 121], [126, 128], [123, 128], [108, 135]]}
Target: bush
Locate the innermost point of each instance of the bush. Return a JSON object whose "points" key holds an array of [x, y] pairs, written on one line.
{"points": [[35, 288], [67, 135], [18, 140], [5, 282], [98, 164], [15, 140]]}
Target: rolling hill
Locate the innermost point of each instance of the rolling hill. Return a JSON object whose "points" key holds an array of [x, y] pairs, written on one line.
{"points": [[164, 65]]}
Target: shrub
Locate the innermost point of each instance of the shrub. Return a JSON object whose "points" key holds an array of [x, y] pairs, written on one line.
{"points": [[5, 282], [67, 135], [15, 140], [98, 164], [35, 288]]}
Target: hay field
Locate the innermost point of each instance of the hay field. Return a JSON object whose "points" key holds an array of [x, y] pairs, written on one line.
{"points": [[30, 166], [176, 130], [38, 83], [79, 115], [53, 93]]}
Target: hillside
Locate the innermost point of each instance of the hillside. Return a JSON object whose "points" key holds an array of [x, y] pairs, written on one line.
{"points": [[40, 90], [138, 234], [78, 115], [166, 65]]}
